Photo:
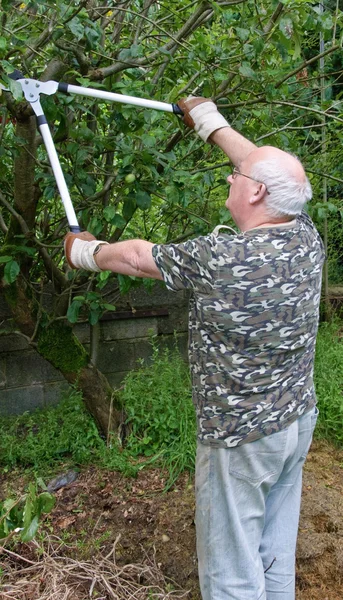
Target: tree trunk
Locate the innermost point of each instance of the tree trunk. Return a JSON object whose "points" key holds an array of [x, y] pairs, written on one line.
{"points": [[57, 343], [52, 338]]}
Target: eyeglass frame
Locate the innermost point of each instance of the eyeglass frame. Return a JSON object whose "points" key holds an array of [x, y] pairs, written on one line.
{"points": [[236, 171]]}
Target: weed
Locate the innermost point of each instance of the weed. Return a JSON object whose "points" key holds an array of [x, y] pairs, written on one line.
{"points": [[328, 375], [44, 437], [160, 413]]}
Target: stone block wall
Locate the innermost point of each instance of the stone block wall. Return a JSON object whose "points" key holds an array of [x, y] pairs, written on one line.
{"points": [[28, 381]]}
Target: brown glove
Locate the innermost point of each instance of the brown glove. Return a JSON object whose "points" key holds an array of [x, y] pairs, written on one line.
{"points": [[202, 115], [79, 249], [187, 104]]}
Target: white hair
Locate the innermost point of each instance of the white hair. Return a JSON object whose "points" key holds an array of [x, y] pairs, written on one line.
{"points": [[287, 195]]}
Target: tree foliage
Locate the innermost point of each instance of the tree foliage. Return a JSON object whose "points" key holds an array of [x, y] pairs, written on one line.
{"points": [[274, 68]]}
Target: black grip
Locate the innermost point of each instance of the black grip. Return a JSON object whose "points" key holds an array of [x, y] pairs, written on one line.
{"points": [[75, 229], [177, 110], [16, 75], [41, 120], [63, 87]]}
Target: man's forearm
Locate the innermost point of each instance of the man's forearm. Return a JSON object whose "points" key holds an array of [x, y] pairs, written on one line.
{"points": [[235, 145], [131, 257]]}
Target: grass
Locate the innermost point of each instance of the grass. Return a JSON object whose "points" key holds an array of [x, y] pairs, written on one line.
{"points": [[160, 419], [160, 422], [160, 413], [328, 377]]}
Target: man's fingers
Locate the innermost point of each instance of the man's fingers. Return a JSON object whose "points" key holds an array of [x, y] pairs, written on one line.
{"points": [[187, 104], [69, 240], [79, 250], [83, 235]]}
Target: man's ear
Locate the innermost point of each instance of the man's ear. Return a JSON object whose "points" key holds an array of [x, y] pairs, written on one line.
{"points": [[258, 194]]}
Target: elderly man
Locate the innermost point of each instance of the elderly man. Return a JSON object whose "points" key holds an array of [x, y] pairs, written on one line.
{"points": [[252, 330]]}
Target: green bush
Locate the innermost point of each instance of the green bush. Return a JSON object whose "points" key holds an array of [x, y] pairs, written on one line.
{"points": [[160, 425], [44, 437], [328, 376], [160, 413]]}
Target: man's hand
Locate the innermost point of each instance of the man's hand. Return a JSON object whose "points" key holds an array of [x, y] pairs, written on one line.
{"points": [[202, 115], [79, 249]]}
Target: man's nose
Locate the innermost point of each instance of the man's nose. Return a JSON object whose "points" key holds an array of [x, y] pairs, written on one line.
{"points": [[229, 179]]}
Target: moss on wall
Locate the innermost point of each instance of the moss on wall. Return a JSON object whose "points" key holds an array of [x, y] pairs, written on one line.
{"points": [[58, 344]]}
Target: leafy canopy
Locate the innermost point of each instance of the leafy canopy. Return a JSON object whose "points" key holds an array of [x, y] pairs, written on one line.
{"points": [[136, 172]]}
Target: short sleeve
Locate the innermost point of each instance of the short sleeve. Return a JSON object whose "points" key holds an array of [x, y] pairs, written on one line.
{"points": [[306, 221], [191, 265]]}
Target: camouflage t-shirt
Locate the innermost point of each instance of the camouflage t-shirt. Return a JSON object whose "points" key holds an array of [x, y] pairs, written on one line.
{"points": [[252, 325]]}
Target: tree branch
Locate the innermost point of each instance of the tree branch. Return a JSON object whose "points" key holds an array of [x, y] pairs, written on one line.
{"points": [[306, 63], [55, 69], [190, 25], [3, 225], [277, 12], [54, 271], [261, 99], [15, 214], [40, 41]]}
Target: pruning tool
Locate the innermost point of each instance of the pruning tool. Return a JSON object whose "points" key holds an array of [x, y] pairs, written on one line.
{"points": [[32, 89]]}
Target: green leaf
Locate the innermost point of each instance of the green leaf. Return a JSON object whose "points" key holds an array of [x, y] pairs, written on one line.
{"points": [[11, 271], [243, 34], [127, 160], [26, 250], [16, 89], [246, 71], [7, 505], [30, 530], [125, 283], [95, 315], [5, 259], [76, 28], [28, 510], [286, 26], [118, 221], [129, 207], [109, 212], [73, 311], [3, 43], [148, 140], [92, 36], [109, 307], [326, 21], [124, 54], [143, 200], [45, 502]]}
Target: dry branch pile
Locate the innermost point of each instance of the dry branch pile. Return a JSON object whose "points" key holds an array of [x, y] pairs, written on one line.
{"points": [[56, 577]]}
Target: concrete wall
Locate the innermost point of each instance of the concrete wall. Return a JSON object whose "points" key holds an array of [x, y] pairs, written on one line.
{"points": [[28, 381]]}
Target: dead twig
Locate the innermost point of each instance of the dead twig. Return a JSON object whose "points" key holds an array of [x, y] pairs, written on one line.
{"points": [[54, 576]]}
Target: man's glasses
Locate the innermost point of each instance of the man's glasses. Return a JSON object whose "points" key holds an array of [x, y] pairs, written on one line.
{"points": [[236, 172]]}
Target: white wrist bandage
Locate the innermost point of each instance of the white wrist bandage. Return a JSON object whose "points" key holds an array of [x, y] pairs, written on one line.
{"points": [[82, 254], [207, 119]]}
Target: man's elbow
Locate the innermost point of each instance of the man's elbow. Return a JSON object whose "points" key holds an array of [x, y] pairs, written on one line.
{"points": [[142, 262]]}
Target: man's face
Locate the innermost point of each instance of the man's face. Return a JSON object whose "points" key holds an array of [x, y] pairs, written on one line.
{"points": [[241, 189]]}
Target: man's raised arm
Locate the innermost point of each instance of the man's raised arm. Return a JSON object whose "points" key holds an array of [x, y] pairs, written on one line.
{"points": [[202, 115]]}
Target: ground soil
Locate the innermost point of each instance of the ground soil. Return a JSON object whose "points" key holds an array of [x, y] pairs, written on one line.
{"points": [[91, 512]]}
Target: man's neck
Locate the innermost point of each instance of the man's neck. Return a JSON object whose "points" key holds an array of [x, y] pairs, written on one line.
{"points": [[263, 222]]}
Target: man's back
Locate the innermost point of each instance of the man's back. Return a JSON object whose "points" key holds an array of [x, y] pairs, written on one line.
{"points": [[253, 324]]}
